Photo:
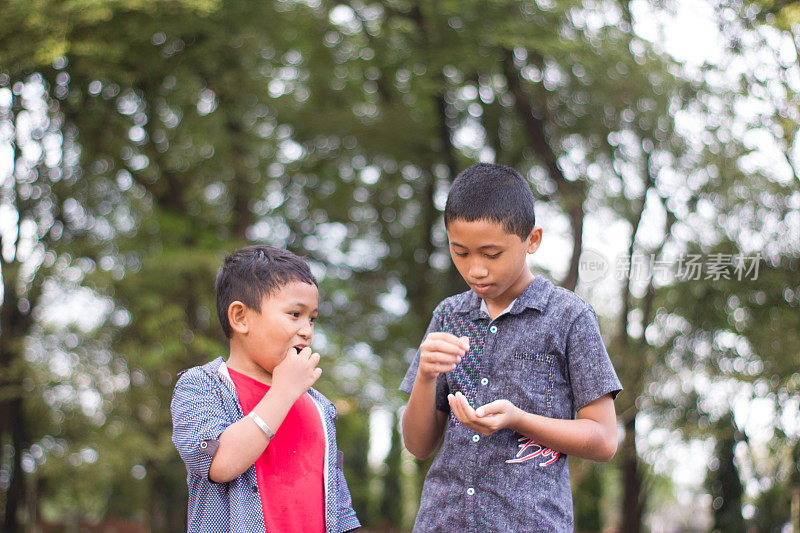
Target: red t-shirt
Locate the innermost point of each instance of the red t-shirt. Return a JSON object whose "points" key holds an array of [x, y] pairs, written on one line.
{"points": [[290, 471]]}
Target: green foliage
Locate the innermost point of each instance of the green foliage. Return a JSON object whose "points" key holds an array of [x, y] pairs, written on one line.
{"points": [[587, 501], [187, 128], [773, 508]]}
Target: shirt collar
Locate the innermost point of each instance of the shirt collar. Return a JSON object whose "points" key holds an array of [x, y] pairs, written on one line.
{"points": [[219, 370], [485, 308], [535, 296]]}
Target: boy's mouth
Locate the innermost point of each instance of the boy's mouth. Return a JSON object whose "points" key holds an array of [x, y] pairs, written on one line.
{"points": [[299, 347], [481, 287]]}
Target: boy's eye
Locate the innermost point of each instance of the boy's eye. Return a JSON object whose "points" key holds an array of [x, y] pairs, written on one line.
{"points": [[295, 314], [461, 254], [494, 256], [312, 319]]}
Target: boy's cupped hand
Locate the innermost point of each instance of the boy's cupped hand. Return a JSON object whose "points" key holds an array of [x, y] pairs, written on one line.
{"points": [[440, 352], [297, 372], [486, 419]]}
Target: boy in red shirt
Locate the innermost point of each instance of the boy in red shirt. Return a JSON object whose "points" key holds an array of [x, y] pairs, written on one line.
{"points": [[258, 442]]}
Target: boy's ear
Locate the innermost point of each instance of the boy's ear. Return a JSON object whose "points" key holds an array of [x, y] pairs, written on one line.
{"points": [[534, 239], [237, 317]]}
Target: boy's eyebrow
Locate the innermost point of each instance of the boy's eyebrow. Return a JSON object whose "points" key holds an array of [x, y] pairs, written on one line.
{"points": [[302, 305], [485, 246]]}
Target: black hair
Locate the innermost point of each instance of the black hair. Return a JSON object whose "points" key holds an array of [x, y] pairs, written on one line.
{"points": [[251, 273], [492, 192]]}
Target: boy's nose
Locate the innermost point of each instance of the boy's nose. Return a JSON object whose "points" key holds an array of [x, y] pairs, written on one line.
{"points": [[306, 331], [477, 271]]}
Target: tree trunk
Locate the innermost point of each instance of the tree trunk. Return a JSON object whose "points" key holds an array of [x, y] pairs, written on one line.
{"points": [[572, 194], [12, 330], [16, 489], [633, 497], [576, 216]]}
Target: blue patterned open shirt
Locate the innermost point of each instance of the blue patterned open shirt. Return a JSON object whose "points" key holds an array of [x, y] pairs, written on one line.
{"points": [[203, 405]]}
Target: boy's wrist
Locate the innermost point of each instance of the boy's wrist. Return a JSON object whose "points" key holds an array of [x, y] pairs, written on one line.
{"points": [[516, 419], [285, 392], [426, 378]]}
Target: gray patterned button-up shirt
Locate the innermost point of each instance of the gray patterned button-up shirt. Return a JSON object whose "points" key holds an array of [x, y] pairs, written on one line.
{"points": [[546, 356]]}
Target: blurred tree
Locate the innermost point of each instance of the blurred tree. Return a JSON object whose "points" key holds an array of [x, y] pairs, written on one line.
{"points": [[444, 84], [742, 337], [723, 480], [739, 332], [587, 505], [772, 509], [352, 427], [58, 219], [383, 96], [76, 201], [194, 127], [391, 509]]}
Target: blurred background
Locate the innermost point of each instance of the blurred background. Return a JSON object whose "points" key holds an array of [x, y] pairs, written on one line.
{"points": [[140, 141]]}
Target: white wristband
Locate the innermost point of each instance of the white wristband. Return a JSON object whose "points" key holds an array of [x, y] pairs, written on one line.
{"points": [[261, 424]]}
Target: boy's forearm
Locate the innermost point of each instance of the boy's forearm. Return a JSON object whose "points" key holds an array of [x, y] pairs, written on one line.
{"points": [[423, 424], [242, 442], [581, 437]]}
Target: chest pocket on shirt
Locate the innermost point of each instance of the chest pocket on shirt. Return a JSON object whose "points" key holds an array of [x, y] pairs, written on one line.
{"points": [[533, 384]]}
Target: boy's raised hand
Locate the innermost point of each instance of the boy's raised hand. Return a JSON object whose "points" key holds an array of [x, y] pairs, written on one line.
{"points": [[486, 419], [440, 353], [297, 372]]}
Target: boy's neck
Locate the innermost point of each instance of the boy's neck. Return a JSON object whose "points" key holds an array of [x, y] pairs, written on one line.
{"points": [[500, 303], [241, 362]]}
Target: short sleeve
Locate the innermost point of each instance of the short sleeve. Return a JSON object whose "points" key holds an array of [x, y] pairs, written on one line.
{"points": [[197, 420], [591, 372], [442, 388]]}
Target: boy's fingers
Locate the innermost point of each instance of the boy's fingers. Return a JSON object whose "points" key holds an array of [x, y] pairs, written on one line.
{"points": [[464, 404], [444, 336], [482, 411], [441, 357], [464, 342], [441, 367], [431, 367], [456, 406], [491, 408], [453, 402], [305, 352], [445, 346], [449, 338], [314, 358], [460, 342], [462, 398]]}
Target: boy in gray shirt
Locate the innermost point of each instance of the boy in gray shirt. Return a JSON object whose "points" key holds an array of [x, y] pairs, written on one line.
{"points": [[502, 372]]}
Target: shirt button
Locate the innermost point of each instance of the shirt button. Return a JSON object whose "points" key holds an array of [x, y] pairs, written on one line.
{"points": [[485, 381], [493, 329], [476, 438], [470, 491], [204, 445]]}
